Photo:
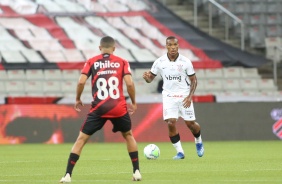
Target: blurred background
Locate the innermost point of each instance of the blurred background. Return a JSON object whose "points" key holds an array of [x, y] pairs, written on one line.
{"points": [[235, 47]]}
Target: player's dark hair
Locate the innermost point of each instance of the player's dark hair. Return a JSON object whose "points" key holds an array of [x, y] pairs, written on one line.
{"points": [[107, 42], [171, 38]]}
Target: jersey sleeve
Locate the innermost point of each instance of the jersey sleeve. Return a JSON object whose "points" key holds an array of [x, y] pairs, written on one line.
{"points": [[87, 68], [190, 69], [126, 68], [155, 67]]}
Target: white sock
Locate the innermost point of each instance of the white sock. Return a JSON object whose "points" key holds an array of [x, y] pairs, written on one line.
{"points": [[198, 140], [178, 147]]}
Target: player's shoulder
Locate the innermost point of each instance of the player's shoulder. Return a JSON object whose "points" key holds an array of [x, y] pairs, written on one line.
{"points": [[184, 59]]}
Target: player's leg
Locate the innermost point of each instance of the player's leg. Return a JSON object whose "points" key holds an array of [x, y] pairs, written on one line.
{"points": [[170, 115], [74, 156], [196, 131], [88, 128], [175, 138], [188, 115], [123, 124]]}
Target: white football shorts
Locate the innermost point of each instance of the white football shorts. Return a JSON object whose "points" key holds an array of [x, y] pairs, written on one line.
{"points": [[173, 108]]}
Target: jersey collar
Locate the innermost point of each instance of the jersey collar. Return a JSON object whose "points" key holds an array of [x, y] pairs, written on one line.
{"points": [[172, 60]]}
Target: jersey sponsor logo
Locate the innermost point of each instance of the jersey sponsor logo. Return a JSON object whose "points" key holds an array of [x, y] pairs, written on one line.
{"points": [[176, 78], [106, 64]]}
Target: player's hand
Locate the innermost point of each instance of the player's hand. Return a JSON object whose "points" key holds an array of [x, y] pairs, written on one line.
{"points": [[187, 102], [132, 109], [77, 104], [146, 76]]}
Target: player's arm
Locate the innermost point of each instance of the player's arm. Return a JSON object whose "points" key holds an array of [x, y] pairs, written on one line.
{"points": [[79, 90], [148, 76], [193, 85], [131, 91]]}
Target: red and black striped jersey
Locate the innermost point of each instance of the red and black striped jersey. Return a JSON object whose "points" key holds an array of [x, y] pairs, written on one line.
{"points": [[107, 72]]}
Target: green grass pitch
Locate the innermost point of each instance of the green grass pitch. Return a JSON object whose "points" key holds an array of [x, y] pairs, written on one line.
{"points": [[246, 162]]}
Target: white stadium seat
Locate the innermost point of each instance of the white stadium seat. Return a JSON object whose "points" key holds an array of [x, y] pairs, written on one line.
{"points": [[53, 74], [15, 75], [35, 74], [232, 72], [214, 73], [71, 75], [249, 84]]}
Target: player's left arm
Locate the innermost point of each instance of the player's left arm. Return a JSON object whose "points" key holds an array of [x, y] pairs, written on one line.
{"points": [[79, 90], [193, 85], [131, 92]]}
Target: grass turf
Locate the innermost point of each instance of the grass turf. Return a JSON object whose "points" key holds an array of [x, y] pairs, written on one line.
{"points": [[224, 162]]}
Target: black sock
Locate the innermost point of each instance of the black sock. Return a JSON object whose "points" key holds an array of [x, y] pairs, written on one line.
{"points": [[134, 160], [197, 134], [175, 139], [71, 162]]}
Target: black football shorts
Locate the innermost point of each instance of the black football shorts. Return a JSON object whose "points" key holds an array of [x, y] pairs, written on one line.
{"points": [[93, 123]]}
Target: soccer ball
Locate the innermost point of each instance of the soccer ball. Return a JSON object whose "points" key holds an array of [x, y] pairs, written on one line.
{"points": [[152, 152]]}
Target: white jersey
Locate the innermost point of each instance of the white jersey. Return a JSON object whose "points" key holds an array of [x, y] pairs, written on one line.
{"points": [[175, 74]]}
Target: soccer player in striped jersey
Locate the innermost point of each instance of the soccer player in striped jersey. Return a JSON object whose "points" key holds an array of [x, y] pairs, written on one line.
{"points": [[107, 73], [179, 85]]}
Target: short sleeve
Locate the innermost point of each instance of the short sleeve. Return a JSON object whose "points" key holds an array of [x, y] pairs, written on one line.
{"points": [[126, 68], [86, 68], [190, 69], [155, 67]]}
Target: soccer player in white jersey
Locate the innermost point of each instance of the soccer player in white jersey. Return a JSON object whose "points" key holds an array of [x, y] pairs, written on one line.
{"points": [[179, 85]]}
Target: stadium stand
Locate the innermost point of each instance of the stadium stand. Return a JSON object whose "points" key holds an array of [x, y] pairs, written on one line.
{"points": [[44, 44]]}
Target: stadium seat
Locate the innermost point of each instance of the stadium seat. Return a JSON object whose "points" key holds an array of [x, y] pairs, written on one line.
{"points": [[257, 35], [52, 87], [124, 53], [16, 75], [13, 56], [232, 72], [257, 19], [34, 74], [231, 85], [52, 74], [53, 56], [143, 55], [200, 73], [32, 56], [214, 73], [274, 31], [3, 75], [213, 85], [70, 6], [73, 55], [16, 87], [69, 86], [258, 6], [33, 87], [2, 88], [250, 73], [70, 75], [87, 53], [45, 45], [50, 6], [273, 6], [273, 19], [267, 85], [33, 34], [249, 84]]}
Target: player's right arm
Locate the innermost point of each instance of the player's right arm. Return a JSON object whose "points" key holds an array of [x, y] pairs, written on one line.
{"points": [[79, 90], [148, 76], [131, 92]]}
